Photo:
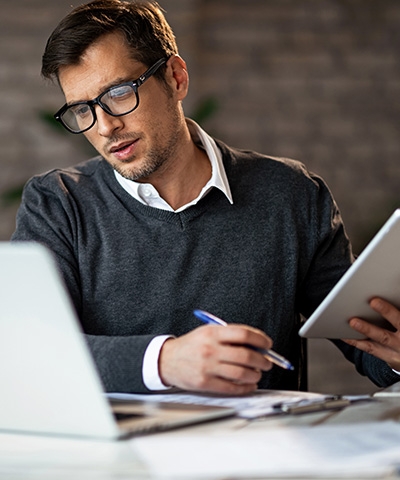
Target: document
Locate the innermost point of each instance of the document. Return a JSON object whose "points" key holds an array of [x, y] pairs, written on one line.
{"points": [[258, 404], [366, 450], [392, 391]]}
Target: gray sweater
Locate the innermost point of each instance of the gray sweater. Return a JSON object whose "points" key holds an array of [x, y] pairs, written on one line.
{"points": [[135, 272]]}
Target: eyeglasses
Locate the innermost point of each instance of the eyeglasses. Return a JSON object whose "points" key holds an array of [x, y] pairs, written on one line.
{"points": [[120, 100]]}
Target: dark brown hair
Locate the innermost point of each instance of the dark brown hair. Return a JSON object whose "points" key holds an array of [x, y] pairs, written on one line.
{"points": [[142, 24]]}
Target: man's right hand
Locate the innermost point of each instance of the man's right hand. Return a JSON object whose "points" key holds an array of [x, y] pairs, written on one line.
{"points": [[215, 359]]}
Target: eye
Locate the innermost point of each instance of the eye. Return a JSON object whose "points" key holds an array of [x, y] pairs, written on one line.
{"points": [[120, 92], [81, 110]]}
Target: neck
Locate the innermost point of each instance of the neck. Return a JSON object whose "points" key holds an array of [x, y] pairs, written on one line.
{"points": [[180, 181]]}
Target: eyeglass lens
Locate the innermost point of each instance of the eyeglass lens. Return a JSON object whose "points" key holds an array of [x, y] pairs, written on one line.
{"points": [[118, 100]]}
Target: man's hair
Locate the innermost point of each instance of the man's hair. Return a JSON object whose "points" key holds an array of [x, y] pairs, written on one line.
{"points": [[142, 24]]}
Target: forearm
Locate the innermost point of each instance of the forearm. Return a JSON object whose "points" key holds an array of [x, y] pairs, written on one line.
{"points": [[119, 361]]}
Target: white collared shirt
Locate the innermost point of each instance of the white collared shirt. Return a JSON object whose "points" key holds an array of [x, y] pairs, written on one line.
{"points": [[148, 195]]}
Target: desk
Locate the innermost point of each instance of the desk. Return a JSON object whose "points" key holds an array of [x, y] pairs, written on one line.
{"points": [[31, 457]]}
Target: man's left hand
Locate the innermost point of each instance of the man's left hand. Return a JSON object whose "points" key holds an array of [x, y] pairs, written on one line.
{"points": [[380, 342]]}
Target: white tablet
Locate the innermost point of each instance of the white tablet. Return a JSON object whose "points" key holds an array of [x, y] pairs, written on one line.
{"points": [[375, 273]]}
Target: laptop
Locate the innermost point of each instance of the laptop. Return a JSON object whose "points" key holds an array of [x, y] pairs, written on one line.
{"points": [[49, 382], [376, 272]]}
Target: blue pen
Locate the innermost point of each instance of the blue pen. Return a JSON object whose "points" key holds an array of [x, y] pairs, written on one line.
{"points": [[269, 354]]}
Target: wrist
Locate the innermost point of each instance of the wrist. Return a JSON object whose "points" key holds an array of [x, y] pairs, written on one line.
{"points": [[164, 362]]}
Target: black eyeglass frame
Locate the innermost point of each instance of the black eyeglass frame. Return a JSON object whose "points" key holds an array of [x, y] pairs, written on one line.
{"points": [[135, 84]]}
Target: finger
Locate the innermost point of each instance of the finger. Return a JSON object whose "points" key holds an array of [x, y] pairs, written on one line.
{"points": [[372, 332], [245, 357], [388, 355], [226, 387], [379, 342], [238, 374], [245, 335], [387, 310], [367, 346], [216, 384]]}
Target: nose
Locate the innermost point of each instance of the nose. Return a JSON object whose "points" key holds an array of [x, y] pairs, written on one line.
{"points": [[107, 124]]}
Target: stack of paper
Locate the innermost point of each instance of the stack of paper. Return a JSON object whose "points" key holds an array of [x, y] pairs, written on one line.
{"points": [[258, 404], [362, 451]]}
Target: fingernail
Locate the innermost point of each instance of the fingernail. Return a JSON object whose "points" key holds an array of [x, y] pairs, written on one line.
{"points": [[376, 304], [354, 323]]}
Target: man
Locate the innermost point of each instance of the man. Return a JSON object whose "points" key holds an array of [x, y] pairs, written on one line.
{"points": [[168, 219]]}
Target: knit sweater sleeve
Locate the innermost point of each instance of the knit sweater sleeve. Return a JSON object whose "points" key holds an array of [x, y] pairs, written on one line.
{"points": [[332, 256], [48, 215], [328, 252], [375, 369]]}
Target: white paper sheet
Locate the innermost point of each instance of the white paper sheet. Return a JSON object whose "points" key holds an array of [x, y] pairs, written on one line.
{"points": [[248, 406], [364, 451]]}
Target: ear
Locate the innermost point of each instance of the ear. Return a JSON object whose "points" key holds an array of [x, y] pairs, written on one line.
{"points": [[177, 76]]}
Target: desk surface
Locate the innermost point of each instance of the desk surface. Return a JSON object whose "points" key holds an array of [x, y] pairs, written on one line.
{"points": [[31, 457]]}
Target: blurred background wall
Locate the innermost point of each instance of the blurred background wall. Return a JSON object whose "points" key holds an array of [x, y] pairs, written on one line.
{"points": [[315, 80]]}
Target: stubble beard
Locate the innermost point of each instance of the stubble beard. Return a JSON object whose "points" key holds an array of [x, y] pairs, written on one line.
{"points": [[154, 161], [150, 164]]}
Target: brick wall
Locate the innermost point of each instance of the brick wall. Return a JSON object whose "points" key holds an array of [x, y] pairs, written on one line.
{"points": [[314, 80], [317, 81]]}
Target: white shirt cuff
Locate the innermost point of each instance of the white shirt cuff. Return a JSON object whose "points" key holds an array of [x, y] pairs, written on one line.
{"points": [[151, 376]]}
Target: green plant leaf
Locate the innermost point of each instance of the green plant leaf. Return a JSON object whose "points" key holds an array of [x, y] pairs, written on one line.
{"points": [[205, 109], [11, 196]]}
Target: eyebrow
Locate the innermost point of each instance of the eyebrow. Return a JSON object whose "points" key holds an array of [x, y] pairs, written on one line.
{"points": [[117, 82]]}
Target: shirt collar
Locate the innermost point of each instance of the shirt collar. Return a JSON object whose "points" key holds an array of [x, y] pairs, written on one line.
{"points": [[148, 195]]}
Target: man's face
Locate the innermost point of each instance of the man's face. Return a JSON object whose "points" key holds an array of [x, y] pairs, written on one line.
{"points": [[137, 144]]}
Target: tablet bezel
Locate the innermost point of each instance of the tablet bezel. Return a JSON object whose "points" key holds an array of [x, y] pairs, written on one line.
{"points": [[375, 273]]}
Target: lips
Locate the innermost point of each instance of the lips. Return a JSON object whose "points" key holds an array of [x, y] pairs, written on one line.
{"points": [[124, 150]]}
